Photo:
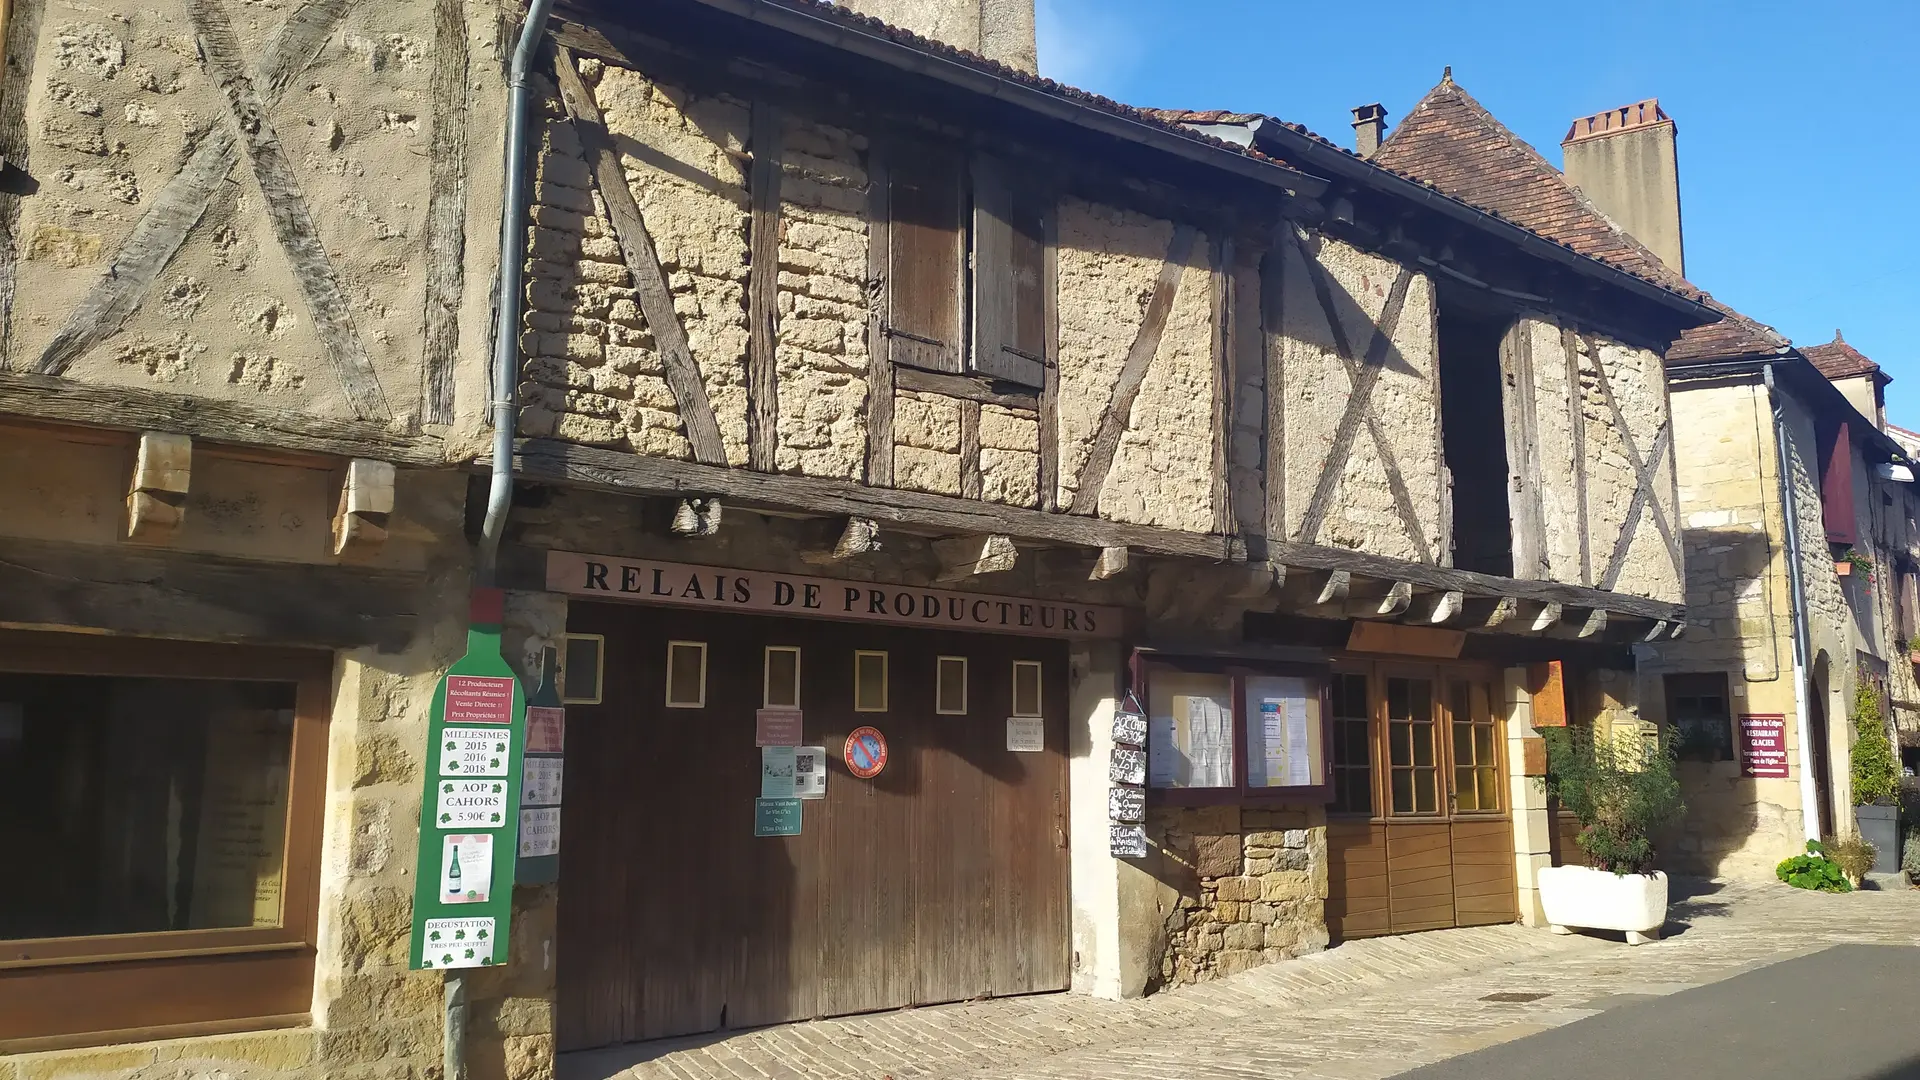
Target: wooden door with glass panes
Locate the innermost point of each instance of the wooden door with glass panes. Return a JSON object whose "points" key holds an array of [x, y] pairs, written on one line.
{"points": [[1418, 833]]}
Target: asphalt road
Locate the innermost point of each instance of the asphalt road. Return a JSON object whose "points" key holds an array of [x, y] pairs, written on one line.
{"points": [[1850, 1012]]}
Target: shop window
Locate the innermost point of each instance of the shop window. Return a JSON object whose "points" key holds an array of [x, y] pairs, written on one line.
{"points": [[1473, 437], [1352, 744], [781, 678], [686, 674], [869, 682], [1413, 770], [1699, 716], [1476, 761], [583, 669], [950, 686], [161, 804], [1026, 688], [1236, 732]]}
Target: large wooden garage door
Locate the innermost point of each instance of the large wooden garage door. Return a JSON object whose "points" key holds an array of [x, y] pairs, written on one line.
{"points": [[942, 879], [1420, 838]]}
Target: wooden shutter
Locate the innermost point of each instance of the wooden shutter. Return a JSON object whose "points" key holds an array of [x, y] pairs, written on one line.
{"points": [[1009, 255], [1836, 483], [926, 245]]}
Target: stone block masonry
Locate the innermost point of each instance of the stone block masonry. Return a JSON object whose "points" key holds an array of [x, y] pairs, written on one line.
{"points": [[1245, 887]]}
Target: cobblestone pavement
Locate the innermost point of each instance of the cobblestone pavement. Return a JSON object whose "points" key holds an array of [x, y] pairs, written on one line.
{"points": [[1361, 1011]]}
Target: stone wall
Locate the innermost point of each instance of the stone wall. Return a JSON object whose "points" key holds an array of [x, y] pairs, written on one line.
{"points": [[1362, 513], [1240, 887], [120, 100]]}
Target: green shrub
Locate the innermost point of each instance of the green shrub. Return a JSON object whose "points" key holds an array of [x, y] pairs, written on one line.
{"points": [[1875, 773], [1813, 871], [1910, 854], [1621, 794], [1854, 855]]}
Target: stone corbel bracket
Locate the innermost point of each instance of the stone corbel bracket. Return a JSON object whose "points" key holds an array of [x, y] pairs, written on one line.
{"points": [[162, 474], [366, 501]]}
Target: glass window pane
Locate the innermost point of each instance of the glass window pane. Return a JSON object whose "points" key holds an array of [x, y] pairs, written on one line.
{"points": [[580, 668], [1423, 790], [1190, 740], [1463, 790], [1422, 744], [1489, 789], [1400, 743], [1362, 792], [687, 674], [783, 677], [1399, 702], [1026, 688], [1483, 744], [1420, 699], [1403, 791], [869, 682], [1462, 743], [137, 805], [950, 691]]}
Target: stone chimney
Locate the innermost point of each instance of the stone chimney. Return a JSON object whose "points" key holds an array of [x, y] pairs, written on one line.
{"points": [[1369, 128], [1626, 162], [996, 29]]}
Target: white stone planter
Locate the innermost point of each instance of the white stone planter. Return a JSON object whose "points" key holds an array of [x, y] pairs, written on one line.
{"points": [[1601, 900]]}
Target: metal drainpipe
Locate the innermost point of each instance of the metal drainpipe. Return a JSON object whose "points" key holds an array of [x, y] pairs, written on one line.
{"points": [[1802, 644], [506, 374], [506, 331]]}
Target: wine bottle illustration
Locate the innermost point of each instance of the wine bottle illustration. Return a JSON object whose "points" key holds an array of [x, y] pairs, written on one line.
{"points": [[453, 872]]}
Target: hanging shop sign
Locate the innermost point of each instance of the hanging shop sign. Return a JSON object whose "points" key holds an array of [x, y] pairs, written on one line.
{"points": [[866, 752], [1127, 772], [1763, 745], [716, 588], [470, 804]]}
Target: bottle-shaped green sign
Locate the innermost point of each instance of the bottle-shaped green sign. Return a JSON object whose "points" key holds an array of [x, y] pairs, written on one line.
{"points": [[470, 802]]}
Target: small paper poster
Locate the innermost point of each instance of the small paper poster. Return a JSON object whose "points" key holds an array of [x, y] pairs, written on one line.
{"points": [[539, 832], [466, 875], [1127, 766], [471, 804], [475, 751], [1026, 734], [776, 772], [479, 699], [810, 772], [546, 730], [457, 943], [540, 779], [1127, 805], [776, 727], [776, 817], [1127, 841]]}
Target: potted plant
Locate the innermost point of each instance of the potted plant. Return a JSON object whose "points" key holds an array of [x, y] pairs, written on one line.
{"points": [[1621, 793], [1847, 564], [1876, 779]]}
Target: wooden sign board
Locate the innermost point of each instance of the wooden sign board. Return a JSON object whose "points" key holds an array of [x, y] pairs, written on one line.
{"points": [[1548, 683], [1384, 637]]}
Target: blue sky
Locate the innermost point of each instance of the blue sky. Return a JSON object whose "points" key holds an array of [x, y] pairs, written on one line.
{"points": [[1799, 124]]}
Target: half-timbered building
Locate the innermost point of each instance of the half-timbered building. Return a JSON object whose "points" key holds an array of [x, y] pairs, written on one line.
{"points": [[886, 420]]}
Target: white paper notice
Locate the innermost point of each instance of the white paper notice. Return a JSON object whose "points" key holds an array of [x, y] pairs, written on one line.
{"points": [[458, 943], [776, 772], [539, 832], [1272, 759], [1299, 760], [1209, 741], [1026, 734], [810, 772], [466, 751], [1164, 760], [466, 862], [540, 779], [471, 804]]}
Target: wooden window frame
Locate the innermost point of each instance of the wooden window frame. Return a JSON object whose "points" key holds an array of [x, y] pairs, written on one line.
{"points": [[1376, 672], [75, 991], [702, 702], [1039, 688], [1238, 670], [599, 671], [940, 682], [886, 680], [766, 676]]}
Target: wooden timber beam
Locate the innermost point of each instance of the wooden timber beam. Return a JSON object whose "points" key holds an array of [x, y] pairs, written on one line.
{"points": [[962, 557], [46, 399], [1111, 563], [620, 472], [1437, 608], [1382, 605]]}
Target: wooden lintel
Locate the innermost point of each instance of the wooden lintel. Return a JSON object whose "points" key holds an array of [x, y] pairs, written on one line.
{"points": [[46, 399], [968, 388], [636, 474], [962, 557], [1111, 562], [366, 503]]}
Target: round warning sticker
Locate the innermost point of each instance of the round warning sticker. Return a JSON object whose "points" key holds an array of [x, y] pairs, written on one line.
{"points": [[866, 752]]}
